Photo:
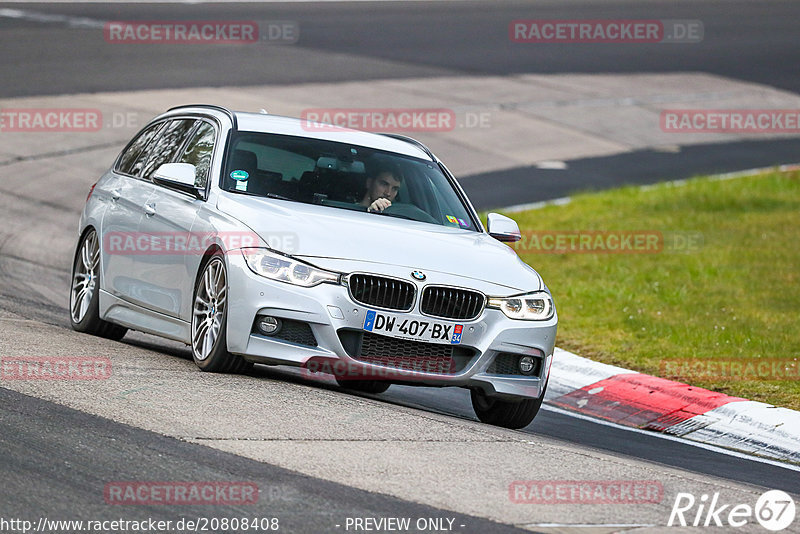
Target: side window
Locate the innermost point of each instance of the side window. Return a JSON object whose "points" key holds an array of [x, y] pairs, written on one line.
{"points": [[127, 161], [199, 151], [167, 145]]}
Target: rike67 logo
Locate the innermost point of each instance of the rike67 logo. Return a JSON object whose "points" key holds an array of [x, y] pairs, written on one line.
{"points": [[774, 510]]}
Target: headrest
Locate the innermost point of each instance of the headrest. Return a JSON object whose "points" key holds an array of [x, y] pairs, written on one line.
{"points": [[244, 160]]}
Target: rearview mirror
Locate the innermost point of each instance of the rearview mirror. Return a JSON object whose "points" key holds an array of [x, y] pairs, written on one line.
{"points": [[502, 228], [332, 163], [180, 176]]}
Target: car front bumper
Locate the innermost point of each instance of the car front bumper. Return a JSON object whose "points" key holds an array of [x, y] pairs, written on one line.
{"points": [[329, 311]]}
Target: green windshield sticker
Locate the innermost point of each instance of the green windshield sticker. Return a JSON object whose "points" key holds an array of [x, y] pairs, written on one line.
{"points": [[240, 175]]}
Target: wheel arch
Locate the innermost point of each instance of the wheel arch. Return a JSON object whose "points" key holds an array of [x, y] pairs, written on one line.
{"points": [[212, 250]]}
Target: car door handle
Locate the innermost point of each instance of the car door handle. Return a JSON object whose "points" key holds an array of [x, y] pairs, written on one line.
{"points": [[150, 209], [115, 194]]}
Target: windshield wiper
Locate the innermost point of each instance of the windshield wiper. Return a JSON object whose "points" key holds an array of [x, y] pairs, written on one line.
{"points": [[396, 215], [279, 197], [265, 195]]}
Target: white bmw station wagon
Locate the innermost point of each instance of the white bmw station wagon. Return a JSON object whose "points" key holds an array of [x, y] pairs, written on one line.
{"points": [[263, 239]]}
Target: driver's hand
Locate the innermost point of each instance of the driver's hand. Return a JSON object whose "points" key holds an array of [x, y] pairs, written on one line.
{"points": [[380, 204]]}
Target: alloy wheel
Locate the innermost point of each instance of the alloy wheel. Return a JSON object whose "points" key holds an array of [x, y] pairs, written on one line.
{"points": [[209, 308], [84, 279]]}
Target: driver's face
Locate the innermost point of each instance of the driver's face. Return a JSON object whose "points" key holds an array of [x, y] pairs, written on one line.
{"points": [[385, 185]]}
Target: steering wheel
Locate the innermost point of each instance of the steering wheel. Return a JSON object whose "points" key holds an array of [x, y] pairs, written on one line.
{"points": [[409, 211]]}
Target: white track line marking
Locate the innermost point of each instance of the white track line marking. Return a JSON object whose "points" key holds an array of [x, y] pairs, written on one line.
{"points": [[587, 525], [33, 16], [712, 448]]}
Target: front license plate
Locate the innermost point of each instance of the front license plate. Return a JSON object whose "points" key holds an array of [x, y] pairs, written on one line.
{"points": [[414, 329]]}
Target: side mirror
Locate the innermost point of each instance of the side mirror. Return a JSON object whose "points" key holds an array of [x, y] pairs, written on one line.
{"points": [[180, 176], [502, 228]]}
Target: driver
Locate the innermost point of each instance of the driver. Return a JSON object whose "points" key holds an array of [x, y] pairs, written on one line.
{"points": [[382, 188]]}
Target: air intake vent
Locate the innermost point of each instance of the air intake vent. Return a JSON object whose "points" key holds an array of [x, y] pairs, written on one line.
{"points": [[452, 302], [508, 364], [381, 292], [404, 354]]}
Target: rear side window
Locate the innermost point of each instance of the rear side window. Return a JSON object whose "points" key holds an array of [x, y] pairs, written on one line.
{"points": [[167, 145], [198, 152], [127, 162]]}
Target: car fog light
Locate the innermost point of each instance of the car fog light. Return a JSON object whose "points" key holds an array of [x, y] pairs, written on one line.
{"points": [[527, 365], [268, 325]]}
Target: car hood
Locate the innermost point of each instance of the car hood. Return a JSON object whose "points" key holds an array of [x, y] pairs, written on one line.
{"points": [[310, 231]]}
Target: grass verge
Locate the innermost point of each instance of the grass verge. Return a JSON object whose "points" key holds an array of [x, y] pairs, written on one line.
{"points": [[716, 305]]}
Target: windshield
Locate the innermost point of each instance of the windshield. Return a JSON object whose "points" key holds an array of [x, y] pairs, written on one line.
{"points": [[343, 176]]}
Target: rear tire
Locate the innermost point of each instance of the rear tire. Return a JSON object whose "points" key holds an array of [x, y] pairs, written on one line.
{"points": [[364, 386], [210, 319], [505, 413], [84, 295]]}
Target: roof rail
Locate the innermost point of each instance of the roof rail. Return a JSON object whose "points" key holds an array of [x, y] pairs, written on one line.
{"points": [[413, 141], [228, 112]]}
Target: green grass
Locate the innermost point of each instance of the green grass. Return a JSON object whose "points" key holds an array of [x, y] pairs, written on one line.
{"points": [[735, 296]]}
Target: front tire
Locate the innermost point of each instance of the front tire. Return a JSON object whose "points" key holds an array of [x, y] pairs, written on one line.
{"points": [[513, 414], [84, 296], [210, 318]]}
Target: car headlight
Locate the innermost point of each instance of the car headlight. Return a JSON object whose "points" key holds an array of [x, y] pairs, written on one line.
{"points": [[531, 307], [285, 268]]}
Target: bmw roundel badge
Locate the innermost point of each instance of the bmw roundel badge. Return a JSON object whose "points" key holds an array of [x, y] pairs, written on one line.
{"points": [[418, 275]]}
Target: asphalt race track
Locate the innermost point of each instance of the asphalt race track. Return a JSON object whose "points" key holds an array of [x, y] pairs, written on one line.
{"points": [[751, 42], [320, 455]]}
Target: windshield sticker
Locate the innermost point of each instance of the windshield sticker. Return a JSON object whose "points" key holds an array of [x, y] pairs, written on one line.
{"points": [[239, 175], [463, 223], [452, 219], [241, 185]]}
